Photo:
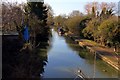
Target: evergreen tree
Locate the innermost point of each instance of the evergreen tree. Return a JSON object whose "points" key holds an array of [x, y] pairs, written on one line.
{"points": [[40, 10], [36, 12]]}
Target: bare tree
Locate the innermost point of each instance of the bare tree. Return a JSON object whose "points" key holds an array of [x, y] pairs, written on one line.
{"points": [[10, 13], [88, 7], [76, 13], [103, 5]]}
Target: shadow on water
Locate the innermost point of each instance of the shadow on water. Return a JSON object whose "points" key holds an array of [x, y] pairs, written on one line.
{"points": [[22, 64], [98, 64], [44, 62]]}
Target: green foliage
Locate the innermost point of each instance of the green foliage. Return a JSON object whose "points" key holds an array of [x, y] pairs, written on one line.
{"points": [[104, 32], [59, 20], [91, 28], [104, 27], [109, 30], [39, 10], [73, 24], [100, 25], [36, 14]]}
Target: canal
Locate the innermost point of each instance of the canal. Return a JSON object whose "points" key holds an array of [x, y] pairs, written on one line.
{"points": [[65, 58], [61, 58]]}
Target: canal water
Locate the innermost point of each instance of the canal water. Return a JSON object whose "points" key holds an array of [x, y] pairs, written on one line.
{"points": [[66, 58]]}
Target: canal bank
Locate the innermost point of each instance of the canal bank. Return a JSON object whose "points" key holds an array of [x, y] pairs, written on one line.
{"points": [[106, 54], [66, 58], [103, 53]]}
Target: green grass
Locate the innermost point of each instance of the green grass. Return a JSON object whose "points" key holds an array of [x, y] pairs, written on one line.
{"points": [[43, 50], [91, 42], [75, 45], [118, 53]]}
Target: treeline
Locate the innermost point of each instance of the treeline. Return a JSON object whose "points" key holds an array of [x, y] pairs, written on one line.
{"points": [[20, 62], [35, 15], [11, 12], [100, 24]]}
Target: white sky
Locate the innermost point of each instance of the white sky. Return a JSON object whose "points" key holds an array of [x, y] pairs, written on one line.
{"points": [[67, 6]]}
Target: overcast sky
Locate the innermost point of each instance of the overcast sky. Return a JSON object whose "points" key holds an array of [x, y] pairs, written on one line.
{"points": [[67, 6]]}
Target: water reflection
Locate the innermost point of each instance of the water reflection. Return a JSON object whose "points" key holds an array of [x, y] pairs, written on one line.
{"points": [[61, 60], [98, 66], [24, 64], [65, 57]]}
